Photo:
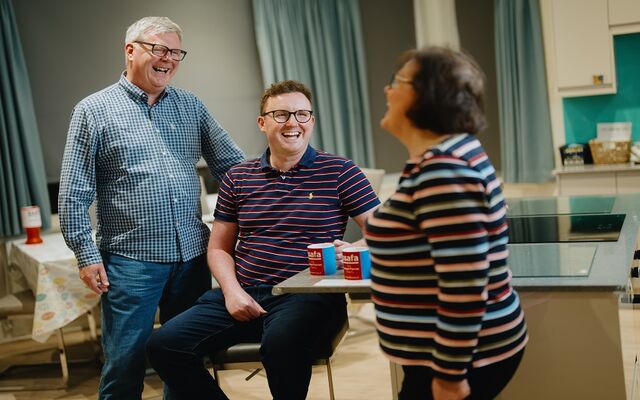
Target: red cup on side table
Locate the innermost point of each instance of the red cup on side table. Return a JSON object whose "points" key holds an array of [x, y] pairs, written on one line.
{"points": [[357, 263], [322, 258], [31, 222]]}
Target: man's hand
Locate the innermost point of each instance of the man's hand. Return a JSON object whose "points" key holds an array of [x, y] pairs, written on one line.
{"points": [[446, 390], [95, 278], [243, 307], [339, 246]]}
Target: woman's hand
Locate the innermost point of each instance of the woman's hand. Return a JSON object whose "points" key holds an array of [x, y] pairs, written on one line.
{"points": [[448, 390]]}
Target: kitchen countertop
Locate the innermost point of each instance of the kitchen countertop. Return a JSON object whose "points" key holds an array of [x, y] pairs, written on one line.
{"points": [[595, 168], [576, 266]]}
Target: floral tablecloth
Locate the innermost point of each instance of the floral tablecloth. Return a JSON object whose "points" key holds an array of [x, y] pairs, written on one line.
{"points": [[51, 272]]}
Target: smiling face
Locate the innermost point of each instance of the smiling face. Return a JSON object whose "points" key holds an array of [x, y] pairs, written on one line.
{"points": [[147, 71], [400, 98], [291, 138]]}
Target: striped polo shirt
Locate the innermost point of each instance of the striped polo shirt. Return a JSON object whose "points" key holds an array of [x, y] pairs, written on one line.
{"points": [[280, 213], [440, 277]]}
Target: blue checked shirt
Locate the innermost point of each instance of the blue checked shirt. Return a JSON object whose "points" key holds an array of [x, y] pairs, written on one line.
{"points": [[139, 163]]}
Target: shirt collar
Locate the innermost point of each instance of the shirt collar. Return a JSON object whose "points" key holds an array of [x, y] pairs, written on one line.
{"points": [[135, 92], [307, 159]]}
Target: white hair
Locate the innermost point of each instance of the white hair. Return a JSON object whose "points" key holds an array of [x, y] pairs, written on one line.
{"points": [[149, 26]]}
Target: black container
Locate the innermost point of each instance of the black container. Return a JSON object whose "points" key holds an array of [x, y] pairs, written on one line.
{"points": [[576, 154]]}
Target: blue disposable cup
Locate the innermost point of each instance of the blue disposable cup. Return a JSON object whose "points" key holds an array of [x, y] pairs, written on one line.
{"points": [[322, 259], [356, 262]]}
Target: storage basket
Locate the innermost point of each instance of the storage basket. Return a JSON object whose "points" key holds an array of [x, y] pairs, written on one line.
{"points": [[610, 152]]}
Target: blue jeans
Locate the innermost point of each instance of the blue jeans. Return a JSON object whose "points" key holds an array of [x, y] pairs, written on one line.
{"points": [[289, 332], [136, 290]]}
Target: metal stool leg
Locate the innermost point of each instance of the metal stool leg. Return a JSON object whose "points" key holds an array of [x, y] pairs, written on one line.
{"points": [[330, 378]]}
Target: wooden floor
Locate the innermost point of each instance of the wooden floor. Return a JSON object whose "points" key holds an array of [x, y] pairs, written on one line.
{"points": [[359, 371]]}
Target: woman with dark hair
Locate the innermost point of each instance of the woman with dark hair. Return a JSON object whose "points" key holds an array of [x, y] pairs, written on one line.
{"points": [[445, 308]]}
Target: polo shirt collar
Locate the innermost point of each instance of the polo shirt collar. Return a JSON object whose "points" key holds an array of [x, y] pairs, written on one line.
{"points": [[307, 159], [135, 92]]}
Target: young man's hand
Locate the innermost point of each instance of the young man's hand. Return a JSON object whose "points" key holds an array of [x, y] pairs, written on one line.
{"points": [[243, 307], [339, 246]]}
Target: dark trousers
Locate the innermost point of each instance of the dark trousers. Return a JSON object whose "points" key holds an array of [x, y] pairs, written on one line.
{"points": [[290, 330], [485, 382]]}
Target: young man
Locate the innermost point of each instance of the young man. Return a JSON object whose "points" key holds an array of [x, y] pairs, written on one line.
{"points": [[133, 147], [269, 210]]}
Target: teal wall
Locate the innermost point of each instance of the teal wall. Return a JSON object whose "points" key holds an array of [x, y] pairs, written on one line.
{"points": [[581, 114]]}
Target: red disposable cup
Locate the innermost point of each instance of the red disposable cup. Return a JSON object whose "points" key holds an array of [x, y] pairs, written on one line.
{"points": [[31, 222]]}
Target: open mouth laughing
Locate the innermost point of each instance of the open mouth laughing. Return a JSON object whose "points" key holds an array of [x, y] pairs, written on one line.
{"points": [[292, 134]]}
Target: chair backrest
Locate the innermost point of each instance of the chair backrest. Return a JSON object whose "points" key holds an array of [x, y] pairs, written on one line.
{"points": [[375, 177], [21, 303]]}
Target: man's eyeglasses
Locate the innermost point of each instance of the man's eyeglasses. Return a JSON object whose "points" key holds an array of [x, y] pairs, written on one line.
{"points": [[396, 79], [160, 50], [282, 116]]}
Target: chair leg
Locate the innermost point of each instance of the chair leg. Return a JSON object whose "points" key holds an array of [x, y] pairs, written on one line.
{"points": [[254, 373], [93, 331], [330, 378], [64, 366], [63, 358]]}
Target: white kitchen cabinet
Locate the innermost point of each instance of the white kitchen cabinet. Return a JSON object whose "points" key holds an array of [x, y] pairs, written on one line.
{"points": [[598, 179], [582, 47], [624, 12]]}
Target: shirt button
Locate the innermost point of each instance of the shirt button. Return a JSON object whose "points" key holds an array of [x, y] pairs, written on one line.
{"points": [[164, 153], [283, 177], [157, 130], [170, 175], [175, 200]]}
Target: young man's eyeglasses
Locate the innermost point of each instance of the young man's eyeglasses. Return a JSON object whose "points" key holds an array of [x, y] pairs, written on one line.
{"points": [[396, 79], [282, 116], [160, 50]]}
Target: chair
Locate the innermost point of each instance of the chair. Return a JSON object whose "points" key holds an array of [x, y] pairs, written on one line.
{"points": [[352, 234], [375, 176], [22, 304], [247, 356]]}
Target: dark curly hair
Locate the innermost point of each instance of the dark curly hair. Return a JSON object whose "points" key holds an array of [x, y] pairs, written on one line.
{"points": [[449, 88], [282, 87]]}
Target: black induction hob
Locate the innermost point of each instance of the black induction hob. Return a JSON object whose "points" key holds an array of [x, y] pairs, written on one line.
{"points": [[565, 228]]}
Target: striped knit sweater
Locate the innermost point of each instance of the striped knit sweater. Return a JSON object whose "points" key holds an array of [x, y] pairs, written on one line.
{"points": [[440, 278]]}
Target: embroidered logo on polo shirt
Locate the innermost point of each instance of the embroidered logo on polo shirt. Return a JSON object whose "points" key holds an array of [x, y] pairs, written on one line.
{"points": [[311, 196]]}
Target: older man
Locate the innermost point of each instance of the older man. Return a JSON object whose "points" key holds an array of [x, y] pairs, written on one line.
{"points": [[133, 147], [269, 210]]}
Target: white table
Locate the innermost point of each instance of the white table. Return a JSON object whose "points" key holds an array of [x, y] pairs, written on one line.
{"points": [[51, 272]]}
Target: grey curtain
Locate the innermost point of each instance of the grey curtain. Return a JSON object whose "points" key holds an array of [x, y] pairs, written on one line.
{"points": [[525, 125], [319, 43], [22, 174]]}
